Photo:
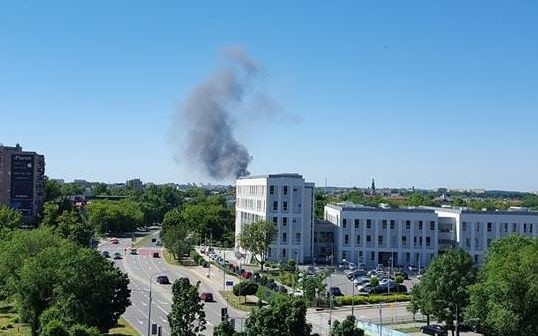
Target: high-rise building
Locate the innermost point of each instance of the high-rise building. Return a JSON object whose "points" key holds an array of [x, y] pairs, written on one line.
{"points": [[287, 201], [135, 184], [22, 181]]}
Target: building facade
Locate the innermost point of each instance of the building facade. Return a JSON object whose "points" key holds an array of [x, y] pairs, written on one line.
{"points": [[413, 236], [22, 176], [383, 236], [287, 201]]}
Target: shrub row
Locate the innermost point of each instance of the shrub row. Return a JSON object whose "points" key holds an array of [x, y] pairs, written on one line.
{"points": [[370, 299], [198, 259]]}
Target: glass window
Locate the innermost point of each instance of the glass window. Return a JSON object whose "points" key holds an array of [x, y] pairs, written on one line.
{"points": [[420, 225], [368, 238], [358, 239], [275, 205], [285, 190], [356, 223], [271, 190], [380, 240], [384, 224], [407, 224], [344, 223], [346, 239], [368, 223], [432, 225], [489, 226], [392, 224]]}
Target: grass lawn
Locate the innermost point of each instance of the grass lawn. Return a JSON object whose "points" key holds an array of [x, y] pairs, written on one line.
{"points": [[123, 329], [9, 322], [238, 302], [409, 330]]}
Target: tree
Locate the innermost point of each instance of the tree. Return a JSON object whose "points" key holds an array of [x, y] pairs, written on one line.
{"points": [[346, 328], [257, 237], [374, 281], [224, 329], [115, 216], [187, 317], [83, 330], [54, 328], [53, 189], [314, 286], [444, 288], [245, 288], [282, 318], [505, 297], [10, 219], [71, 225]]}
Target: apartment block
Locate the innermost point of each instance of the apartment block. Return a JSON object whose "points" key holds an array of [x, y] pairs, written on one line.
{"points": [[287, 201], [22, 176]]}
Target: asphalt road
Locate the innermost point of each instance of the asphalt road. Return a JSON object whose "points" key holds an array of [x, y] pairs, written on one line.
{"points": [[143, 270]]}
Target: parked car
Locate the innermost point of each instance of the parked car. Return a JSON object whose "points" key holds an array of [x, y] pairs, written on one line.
{"points": [[357, 273], [134, 251], [334, 291], [206, 297], [390, 288], [361, 281], [114, 241], [282, 289], [156, 255], [153, 240], [106, 254], [297, 293], [364, 288], [163, 280], [470, 325], [246, 275], [434, 329], [117, 255]]}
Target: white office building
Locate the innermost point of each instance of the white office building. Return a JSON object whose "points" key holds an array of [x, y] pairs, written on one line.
{"points": [[287, 201], [383, 236], [413, 236]]}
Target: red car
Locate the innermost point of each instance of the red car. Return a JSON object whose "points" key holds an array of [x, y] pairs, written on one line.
{"points": [[206, 297], [246, 275]]}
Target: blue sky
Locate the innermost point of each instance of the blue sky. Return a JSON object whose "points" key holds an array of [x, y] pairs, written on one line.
{"points": [[414, 93]]}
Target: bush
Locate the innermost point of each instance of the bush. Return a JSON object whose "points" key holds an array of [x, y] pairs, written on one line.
{"points": [[54, 328], [245, 288], [372, 299], [83, 330], [291, 262]]}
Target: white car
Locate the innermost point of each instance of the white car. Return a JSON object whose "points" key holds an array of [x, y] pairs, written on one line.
{"points": [[297, 293], [361, 281], [365, 288]]}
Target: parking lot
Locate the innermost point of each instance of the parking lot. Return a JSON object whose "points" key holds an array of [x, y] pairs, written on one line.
{"points": [[339, 279]]}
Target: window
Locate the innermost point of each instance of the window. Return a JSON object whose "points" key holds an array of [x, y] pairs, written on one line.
{"points": [[275, 205], [344, 254], [356, 223], [372, 255], [380, 240], [284, 221], [420, 225], [505, 227], [432, 225], [283, 253], [404, 240], [285, 206], [271, 190], [275, 220], [464, 226], [420, 241], [344, 223], [392, 224], [476, 243], [468, 242], [514, 225], [284, 237], [346, 239], [384, 224], [477, 226], [530, 227], [415, 241], [427, 241], [368, 238], [407, 224], [524, 227], [368, 223], [285, 190], [489, 226], [298, 237], [358, 239]]}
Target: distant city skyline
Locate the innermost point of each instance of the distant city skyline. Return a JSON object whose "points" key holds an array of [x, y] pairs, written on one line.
{"points": [[424, 94]]}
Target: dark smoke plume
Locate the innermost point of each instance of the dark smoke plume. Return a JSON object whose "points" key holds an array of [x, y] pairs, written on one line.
{"points": [[206, 118]]}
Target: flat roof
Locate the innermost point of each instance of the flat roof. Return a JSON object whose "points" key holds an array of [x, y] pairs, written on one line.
{"points": [[281, 175], [359, 207]]}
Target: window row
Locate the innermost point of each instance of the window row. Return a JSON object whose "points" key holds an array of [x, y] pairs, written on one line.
{"points": [[384, 222]]}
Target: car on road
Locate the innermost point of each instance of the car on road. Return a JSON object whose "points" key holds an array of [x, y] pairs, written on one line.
{"points": [[158, 243], [163, 280], [206, 297], [297, 293], [134, 251], [156, 255], [434, 329], [114, 241], [106, 254], [117, 255], [246, 275], [334, 291]]}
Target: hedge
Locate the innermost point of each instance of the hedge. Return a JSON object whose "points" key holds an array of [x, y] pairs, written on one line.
{"points": [[370, 299]]}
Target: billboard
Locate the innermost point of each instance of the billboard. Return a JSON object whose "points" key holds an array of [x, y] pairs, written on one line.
{"points": [[22, 183]]}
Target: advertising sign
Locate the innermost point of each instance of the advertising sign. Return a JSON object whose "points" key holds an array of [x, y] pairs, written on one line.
{"points": [[22, 183]]}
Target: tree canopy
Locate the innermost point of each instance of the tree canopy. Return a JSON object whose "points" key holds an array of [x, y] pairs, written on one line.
{"points": [[346, 328], [9, 219], [283, 318], [256, 238], [187, 317], [505, 297]]}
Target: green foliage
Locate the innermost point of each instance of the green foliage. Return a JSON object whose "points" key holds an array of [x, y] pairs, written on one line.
{"points": [[531, 202], [282, 318], [256, 238], [54, 328], [71, 225], [54, 279], [83, 330], [9, 219], [505, 297], [445, 286], [187, 317], [371, 299], [399, 279], [417, 199], [245, 288], [115, 216], [346, 327], [291, 262], [52, 189], [374, 281], [224, 329]]}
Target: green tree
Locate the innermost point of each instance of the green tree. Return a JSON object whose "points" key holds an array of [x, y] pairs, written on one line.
{"points": [[115, 216], [257, 237], [374, 281], [83, 330], [444, 287], [9, 219], [282, 318], [505, 297], [71, 225], [245, 288], [54, 328], [224, 329], [187, 317], [53, 189], [346, 328]]}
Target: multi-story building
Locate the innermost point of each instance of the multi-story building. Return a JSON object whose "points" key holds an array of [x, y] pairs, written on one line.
{"points": [[22, 181], [135, 184], [413, 236], [402, 236], [474, 231], [287, 201]]}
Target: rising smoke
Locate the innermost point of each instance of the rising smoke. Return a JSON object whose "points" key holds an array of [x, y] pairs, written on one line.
{"points": [[205, 118]]}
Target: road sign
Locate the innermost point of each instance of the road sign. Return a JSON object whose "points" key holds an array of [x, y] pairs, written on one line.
{"points": [[229, 283]]}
